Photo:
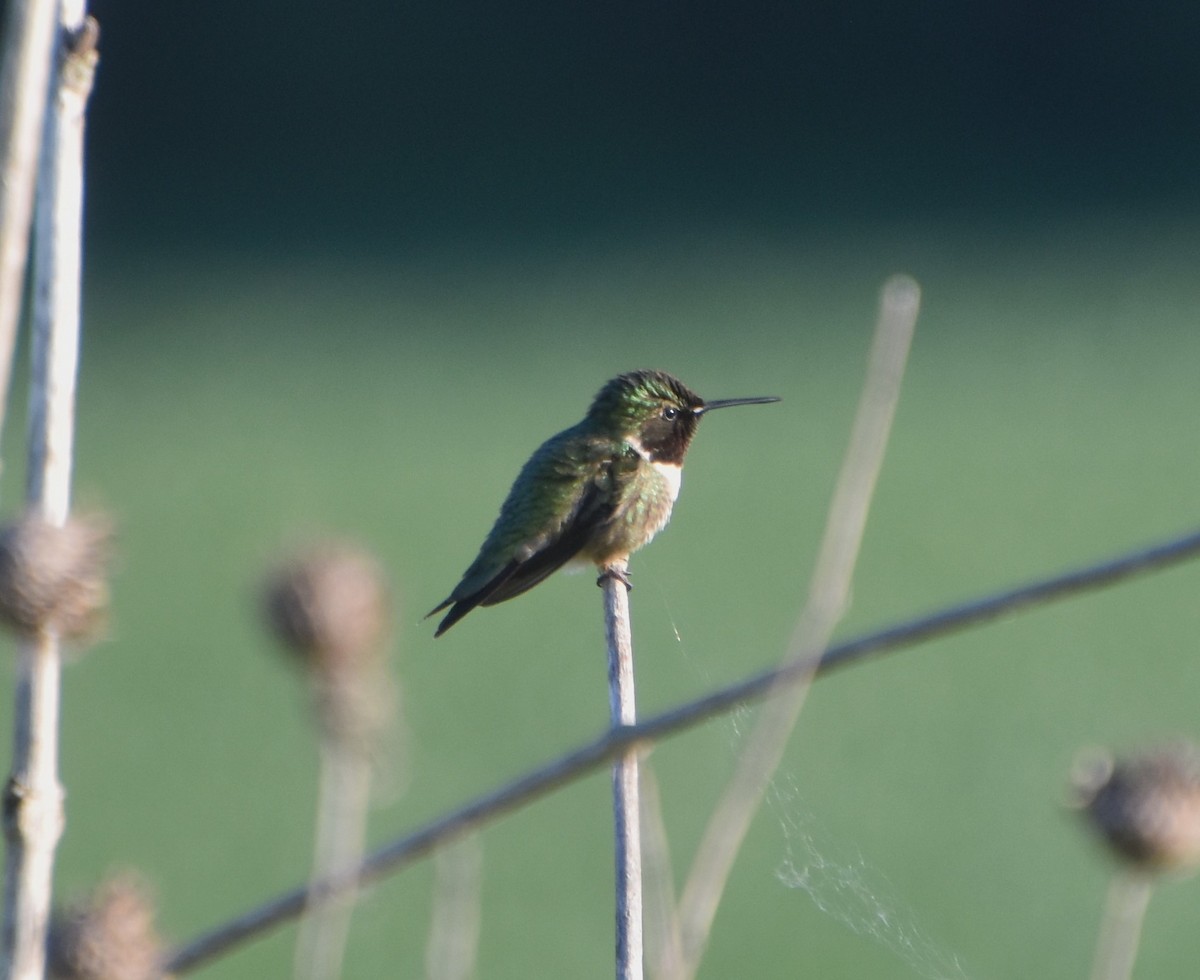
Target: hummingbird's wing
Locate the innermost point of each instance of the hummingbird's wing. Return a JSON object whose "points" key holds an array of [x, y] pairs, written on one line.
{"points": [[594, 508], [553, 480]]}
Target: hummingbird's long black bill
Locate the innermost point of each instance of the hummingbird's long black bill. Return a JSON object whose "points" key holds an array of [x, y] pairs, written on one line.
{"points": [[730, 402]]}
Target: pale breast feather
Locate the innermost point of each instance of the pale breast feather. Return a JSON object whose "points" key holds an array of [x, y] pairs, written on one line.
{"points": [[672, 474]]}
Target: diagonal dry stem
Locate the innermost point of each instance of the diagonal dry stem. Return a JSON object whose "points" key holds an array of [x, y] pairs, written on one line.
{"points": [[664, 945], [25, 65], [828, 596]]}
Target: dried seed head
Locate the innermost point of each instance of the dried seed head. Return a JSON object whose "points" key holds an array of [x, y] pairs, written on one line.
{"points": [[330, 607], [1147, 807], [55, 577], [109, 936]]}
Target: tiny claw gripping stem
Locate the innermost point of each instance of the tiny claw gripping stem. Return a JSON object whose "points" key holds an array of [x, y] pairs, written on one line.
{"points": [[619, 574]]}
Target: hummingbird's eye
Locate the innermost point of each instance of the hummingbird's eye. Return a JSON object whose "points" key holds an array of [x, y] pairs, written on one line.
{"points": [[670, 413]]}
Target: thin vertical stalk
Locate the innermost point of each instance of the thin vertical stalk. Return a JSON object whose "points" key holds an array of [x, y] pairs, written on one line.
{"points": [[33, 802], [27, 57], [344, 795], [626, 827], [33, 796], [58, 264], [329, 608], [1121, 930], [457, 896]]}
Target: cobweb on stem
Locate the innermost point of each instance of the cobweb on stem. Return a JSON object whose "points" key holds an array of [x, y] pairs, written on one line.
{"points": [[846, 887]]}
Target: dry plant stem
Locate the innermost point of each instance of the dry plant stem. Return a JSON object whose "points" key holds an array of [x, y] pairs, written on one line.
{"points": [[585, 759], [58, 261], [34, 797], [33, 803], [454, 931], [664, 946], [343, 798], [1125, 909], [626, 824], [27, 57], [829, 594]]}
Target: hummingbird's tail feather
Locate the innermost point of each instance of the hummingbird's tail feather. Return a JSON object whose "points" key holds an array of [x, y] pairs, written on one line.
{"points": [[511, 581], [461, 605], [457, 612]]}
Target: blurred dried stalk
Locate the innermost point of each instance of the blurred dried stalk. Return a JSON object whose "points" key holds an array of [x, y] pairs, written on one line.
{"points": [[1146, 809], [664, 945], [454, 927], [109, 936], [330, 607]]}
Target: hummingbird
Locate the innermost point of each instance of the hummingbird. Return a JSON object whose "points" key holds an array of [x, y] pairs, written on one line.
{"points": [[597, 491]]}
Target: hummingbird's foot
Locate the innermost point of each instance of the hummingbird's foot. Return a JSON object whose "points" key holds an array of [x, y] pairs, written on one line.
{"points": [[620, 574]]}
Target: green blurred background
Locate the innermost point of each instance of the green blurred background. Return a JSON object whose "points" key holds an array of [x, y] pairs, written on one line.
{"points": [[348, 266]]}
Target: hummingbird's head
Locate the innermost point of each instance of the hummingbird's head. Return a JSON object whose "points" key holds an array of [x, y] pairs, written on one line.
{"points": [[655, 412]]}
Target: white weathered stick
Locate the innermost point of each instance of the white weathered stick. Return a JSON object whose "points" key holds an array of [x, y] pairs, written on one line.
{"points": [[34, 797], [34, 811], [626, 825], [585, 759], [24, 83], [1124, 912], [627, 828], [828, 596], [58, 263]]}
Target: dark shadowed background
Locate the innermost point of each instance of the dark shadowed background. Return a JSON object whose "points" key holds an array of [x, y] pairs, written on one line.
{"points": [[404, 125]]}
